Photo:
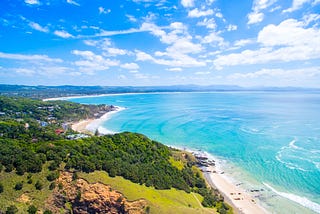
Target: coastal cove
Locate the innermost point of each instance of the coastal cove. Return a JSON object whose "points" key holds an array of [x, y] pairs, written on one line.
{"points": [[267, 144]]}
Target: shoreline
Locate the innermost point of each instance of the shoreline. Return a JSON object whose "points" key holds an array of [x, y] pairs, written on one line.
{"points": [[236, 197], [92, 124]]}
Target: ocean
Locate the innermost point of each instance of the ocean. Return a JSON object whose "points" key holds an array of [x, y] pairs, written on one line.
{"points": [[267, 142]]}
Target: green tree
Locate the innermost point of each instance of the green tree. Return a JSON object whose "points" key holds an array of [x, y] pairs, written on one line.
{"points": [[52, 186], [32, 209], [12, 210], [1, 188], [18, 186], [38, 185]]}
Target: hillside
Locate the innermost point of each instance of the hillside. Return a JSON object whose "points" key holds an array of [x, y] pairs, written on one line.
{"points": [[35, 165]]}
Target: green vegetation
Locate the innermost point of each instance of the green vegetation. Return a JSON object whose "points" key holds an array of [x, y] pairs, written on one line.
{"points": [[31, 152], [161, 201]]}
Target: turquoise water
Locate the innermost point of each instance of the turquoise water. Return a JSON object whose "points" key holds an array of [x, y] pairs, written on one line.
{"points": [[267, 140]]}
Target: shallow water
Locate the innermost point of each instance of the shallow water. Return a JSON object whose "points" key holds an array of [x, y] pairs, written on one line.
{"points": [[269, 140]]}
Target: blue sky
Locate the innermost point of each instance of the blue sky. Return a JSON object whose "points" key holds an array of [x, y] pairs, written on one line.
{"points": [[166, 42]]}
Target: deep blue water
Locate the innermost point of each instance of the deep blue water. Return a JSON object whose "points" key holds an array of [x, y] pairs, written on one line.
{"points": [[272, 139]]}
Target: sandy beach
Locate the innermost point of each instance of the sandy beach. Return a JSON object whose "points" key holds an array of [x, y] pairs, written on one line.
{"points": [[233, 194], [81, 126], [91, 125]]}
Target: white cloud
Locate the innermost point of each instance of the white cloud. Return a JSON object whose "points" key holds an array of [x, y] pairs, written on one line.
{"points": [[196, 13], [232, 27], [296, 5], [178, 60], [38, 27], [73, 2], [214, 38], [28, 57], [187, 3], [208, 23], [32, 2], [202, 72], [179, 42], [63, 34], [92, 62], [309, 18], [256, 15], [130, 66], [289, 33], [131, 18], [174, 69], [115, 51], [243, 42], [288, 41], [280, 77], [25, 71], [103, 10]]}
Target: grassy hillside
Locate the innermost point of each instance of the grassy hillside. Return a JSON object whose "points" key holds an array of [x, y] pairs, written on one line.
{"points": [[161, 201]]}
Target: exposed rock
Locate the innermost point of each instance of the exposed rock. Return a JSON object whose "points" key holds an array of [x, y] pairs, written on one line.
{"points": [[90, 198]]}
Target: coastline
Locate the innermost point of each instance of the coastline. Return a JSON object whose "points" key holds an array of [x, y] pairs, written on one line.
{"points": [[238, 198], [92, 124]]}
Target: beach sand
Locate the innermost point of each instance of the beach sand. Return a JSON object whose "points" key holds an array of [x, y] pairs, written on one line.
{"points": [[234, 195], [81, 126]]}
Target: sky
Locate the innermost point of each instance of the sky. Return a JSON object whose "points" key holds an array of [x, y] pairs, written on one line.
{"points": [[160, 42]]}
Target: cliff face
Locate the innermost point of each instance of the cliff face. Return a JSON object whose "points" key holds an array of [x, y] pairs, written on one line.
{"points": [[84, 198]]}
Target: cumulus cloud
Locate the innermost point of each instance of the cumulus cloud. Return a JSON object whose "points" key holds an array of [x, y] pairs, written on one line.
{"points": [[296, 5], [32, 2], [103, 10], [288, 41], [187, 3], [196, 13], [179, 43], [232, 27], [208, 23], [38, 27], [174, 69], [93, 62], [280, 77], [130, 66], [73, 2], [256, 15], [23, 57], [63, 34]]}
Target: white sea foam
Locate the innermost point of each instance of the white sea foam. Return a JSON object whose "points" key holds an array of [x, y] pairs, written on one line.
{"points": [[291, 165], [96, 124], [298, 199]]}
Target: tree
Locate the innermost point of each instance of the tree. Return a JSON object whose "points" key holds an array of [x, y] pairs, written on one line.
{"points": [[12, 210], [52, 186], [18, 186], [32, 209], [1, 187], [38, 185]]}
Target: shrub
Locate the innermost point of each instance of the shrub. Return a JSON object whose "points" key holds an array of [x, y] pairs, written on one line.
{"points": [[52, 176], [12, 210], [52, 186], [32, 209], [18, 186], [1, 187], [38, 185]]}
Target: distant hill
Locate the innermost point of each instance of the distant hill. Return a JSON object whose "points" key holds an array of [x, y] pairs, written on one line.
{"points": [[41, 92]]}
